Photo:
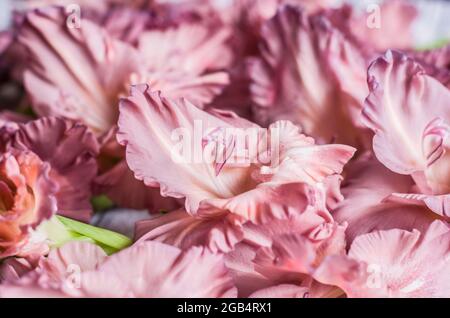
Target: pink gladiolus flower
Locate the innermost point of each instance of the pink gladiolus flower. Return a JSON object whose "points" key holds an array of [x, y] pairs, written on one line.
{"points": [[240, 148], [209, 170]]}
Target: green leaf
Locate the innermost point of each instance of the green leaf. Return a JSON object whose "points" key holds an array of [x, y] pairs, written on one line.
{"points": [[105, 238]]}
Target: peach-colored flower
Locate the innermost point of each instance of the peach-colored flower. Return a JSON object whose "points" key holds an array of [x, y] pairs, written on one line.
{"points": [[28, 196]]}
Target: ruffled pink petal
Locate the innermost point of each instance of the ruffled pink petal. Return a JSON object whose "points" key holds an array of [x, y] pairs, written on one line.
{"points": [[147, 125], [71, 150], [301, 160], [78, 73], [410, 137], [394, 263], [59, 274]]}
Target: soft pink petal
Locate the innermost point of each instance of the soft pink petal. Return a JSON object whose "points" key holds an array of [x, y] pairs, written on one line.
{"points": [[146, 125], [159, 132], [410, 136], [302, 160], [313, 223]]}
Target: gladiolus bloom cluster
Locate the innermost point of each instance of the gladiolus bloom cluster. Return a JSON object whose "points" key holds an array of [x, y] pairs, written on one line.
{"points": [[253, 148]]}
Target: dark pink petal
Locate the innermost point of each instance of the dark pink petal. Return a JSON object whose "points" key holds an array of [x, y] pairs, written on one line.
{"points": [[71, 150]]}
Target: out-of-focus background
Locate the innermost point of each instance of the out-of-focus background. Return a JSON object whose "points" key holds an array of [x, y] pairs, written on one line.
{"points": [[432, 25]]}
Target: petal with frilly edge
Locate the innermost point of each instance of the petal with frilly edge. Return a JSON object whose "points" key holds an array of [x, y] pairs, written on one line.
{"points": [[71, 150], [147, 125], [393, 263], [411, 137], [78, 73], [301, 160]]}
